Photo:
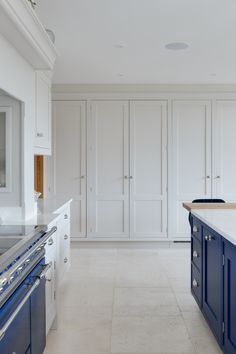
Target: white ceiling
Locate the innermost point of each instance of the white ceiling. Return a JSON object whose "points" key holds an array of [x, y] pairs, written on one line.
{"points": [[88, 31]]}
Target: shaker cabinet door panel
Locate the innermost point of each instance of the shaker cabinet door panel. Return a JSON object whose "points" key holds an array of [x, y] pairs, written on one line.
{"points": [[108, 170], [212, 281], [148, 169], [70, 160], [224, 127], [189, 160], [230, 298]]}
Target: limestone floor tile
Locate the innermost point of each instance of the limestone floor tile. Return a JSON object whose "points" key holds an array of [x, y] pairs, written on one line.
{"points": [[196, 325], [186, 302], [150, 335], [79, 341], [206, 345], [144, 302]]}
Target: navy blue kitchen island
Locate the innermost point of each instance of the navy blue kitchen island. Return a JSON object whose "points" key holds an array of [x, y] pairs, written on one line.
{"points": [[213, 272]]}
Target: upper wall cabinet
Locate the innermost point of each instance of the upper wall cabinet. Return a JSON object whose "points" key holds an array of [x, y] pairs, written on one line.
{"points": [[43, 114]]}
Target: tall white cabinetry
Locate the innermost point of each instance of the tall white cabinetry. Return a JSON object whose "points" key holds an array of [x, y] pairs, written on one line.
{"points": [[202, 156], [148, 169], [69, 161], [190, 160], [127, 170], [108, 170]]}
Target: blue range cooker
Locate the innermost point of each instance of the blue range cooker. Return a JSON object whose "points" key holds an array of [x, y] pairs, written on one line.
{"points": [[22, 289]]}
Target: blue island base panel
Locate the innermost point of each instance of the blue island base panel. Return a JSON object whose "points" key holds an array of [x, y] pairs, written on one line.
{"points": [[213, 282]]}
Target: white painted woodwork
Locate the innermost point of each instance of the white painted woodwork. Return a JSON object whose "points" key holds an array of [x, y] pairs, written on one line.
{"points": [[43, 119], [108, 166], [148, 169], [190, 176], [20, 25], [224, 145], [70, 160]]}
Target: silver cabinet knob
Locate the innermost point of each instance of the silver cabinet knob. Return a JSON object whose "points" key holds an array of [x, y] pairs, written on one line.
{"points": [[66, 237], [125, 177], [130, 177], [65, 260], [40, 135], [195, 283], [195, 254], [48, 279], [50, 242], [208, 237], [208, 177], [195, 228], [217, 177], [66, 216], [82, 177]]}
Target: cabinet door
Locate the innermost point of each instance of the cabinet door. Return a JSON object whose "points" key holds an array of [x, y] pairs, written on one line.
{"points": [[148, 169], [224, 150], [108, 170], [70, 160], [43, 113], [189, 161], [212, 281], [230, 298]]}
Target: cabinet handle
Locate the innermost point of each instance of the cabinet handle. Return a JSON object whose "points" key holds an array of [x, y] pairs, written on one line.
{"points": [[82, 177], [66, 216], [40, 135], [125, 177], [217, 177], [65, 260], [130, 177], [195, 229], [195, 254], [50, 242], [66, 237], [208, 237], [195, 283], [208, 177], [48, 279]]}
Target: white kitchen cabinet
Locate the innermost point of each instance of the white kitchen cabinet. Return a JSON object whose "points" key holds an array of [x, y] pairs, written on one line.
{"points": [[148, 169], [108, 170], [43, 114], [51, 279], [69, 160], [224, 150], [190, 160]]}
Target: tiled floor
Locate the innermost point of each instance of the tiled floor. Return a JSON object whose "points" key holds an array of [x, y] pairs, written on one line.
{"points": [[129, 301]]}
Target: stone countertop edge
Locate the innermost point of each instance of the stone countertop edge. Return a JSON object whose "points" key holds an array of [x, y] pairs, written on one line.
{"points": [[221, 221]]}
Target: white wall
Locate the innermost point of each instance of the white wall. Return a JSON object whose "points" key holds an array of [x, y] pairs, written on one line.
{"points": [[17, 78]]}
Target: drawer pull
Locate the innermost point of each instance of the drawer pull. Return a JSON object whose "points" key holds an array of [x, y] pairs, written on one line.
{"points": [[66, 216], [195, 228], [65, 260], [40, 135], [66, 237], [195, 254], [208, 237], [50, 242], [195, 283]]}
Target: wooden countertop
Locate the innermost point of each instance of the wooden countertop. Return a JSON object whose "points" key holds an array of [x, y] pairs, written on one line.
{"points": [[199, 206]]}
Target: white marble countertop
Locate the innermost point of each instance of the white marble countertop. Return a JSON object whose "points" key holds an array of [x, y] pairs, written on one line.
{"points": [[222, 221], [48, 211]]}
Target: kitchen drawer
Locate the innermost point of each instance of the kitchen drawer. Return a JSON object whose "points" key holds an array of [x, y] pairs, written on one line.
{"points": [[197, 229], [64, 217], [196, 253], [196, 285]]}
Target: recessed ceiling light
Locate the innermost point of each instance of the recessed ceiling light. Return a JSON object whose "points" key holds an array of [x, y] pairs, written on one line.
{"points": [[177, 46], [213, 74], [119, 46], [120, 75]]}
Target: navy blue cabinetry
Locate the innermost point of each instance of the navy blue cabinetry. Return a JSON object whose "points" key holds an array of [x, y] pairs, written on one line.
{"points": [[212, 281], [230, 298]]}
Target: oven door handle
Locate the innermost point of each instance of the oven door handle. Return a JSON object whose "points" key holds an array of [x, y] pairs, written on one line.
{"points": [[17, 310]]}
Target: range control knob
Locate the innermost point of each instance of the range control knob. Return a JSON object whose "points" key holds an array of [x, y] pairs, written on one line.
{"points": [[3, 281]]}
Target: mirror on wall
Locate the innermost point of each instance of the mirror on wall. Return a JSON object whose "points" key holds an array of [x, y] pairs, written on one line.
{"points": [[2, 149]]}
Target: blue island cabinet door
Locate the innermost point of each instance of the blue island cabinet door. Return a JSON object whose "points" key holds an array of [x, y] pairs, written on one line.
{"points": [[213, 282], [230, 298]]}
